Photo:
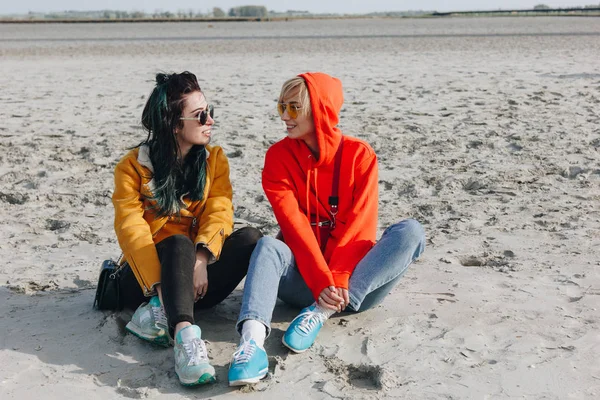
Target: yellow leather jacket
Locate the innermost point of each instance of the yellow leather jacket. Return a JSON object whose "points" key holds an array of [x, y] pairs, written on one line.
{"points": [[207, 222]]}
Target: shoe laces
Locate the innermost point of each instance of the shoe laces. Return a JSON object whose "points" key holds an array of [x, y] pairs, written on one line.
{"points": [[160, 318], [195, 350], [245, 352], [310, 319]]}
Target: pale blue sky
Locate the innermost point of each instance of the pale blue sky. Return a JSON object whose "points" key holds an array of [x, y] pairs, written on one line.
{"points": [[316, 6]]}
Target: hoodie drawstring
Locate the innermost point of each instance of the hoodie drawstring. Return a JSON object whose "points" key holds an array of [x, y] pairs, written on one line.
{"points": [[308, 173], [317, 209], [307, 195]]}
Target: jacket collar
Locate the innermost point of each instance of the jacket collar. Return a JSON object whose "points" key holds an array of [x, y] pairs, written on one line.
{"points": [[144, 159]]}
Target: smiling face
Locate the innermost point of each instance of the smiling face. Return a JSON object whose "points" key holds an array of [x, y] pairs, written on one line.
{"points": [[301, 127], [191, 132]]}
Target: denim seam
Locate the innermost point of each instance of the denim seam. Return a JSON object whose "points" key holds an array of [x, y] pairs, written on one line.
{"points": [[354, 302]]}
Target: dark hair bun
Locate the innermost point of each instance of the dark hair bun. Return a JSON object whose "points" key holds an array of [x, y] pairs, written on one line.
{"points": [[162, 78]]}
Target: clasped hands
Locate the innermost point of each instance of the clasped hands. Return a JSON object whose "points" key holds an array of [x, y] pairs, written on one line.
{"points": [[334, 298]]}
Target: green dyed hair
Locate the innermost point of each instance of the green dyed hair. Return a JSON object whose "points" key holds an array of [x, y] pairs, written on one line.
{"points": [[174, 178]]}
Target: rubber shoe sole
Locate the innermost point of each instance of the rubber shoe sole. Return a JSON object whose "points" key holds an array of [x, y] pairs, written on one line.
{"points": [[250, 381], [293, 349], [203, 380], [163, 341]]}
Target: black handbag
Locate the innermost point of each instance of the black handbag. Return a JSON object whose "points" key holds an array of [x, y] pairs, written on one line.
{"points": [[108, 294]]}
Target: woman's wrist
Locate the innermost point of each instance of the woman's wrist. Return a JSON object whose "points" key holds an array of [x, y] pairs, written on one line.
{"points": [[202, 256]]}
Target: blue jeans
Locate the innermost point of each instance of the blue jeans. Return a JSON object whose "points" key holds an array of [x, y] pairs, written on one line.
{"points": [[273, 273]]}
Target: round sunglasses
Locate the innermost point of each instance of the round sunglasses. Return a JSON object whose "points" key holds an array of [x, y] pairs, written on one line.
{"points": [[292, 109], [203, 116]]}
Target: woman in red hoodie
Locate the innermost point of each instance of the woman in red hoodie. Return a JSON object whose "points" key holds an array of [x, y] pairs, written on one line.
{"points": [[323, 189]]}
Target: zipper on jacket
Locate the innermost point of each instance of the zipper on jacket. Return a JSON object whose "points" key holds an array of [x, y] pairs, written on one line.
{"points": [[192, 226], [148, 291]]}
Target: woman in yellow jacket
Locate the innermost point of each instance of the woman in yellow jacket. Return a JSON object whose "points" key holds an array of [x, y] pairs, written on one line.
{"points": [[174, 222]]}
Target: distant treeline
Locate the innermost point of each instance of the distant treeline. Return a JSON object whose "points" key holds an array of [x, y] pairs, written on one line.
{"points": [[546, 7], [246, 11], [540, 9], [261, 13]]}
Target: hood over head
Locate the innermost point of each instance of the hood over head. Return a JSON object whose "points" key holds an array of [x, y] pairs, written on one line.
{"points": [[326, 99]]}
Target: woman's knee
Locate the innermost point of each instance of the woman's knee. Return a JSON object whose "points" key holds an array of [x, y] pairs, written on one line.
{"points": [[175, 244], [268, 246], [248, 235], [411, 232], [414, 229], [176, 253]]}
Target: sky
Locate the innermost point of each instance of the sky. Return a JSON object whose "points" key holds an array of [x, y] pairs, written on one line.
{"points": [[315, 6]]}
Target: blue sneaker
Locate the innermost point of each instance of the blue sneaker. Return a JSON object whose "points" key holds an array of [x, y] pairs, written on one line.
{"points": [[191, 358], [303, 330], [249, 364], [149, 322]]}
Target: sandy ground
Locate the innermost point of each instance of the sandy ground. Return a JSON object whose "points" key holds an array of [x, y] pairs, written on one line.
{"points": [[487, 131]]}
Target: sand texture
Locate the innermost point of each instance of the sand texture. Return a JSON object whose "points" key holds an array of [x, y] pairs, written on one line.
{"points": [[487, 132]]}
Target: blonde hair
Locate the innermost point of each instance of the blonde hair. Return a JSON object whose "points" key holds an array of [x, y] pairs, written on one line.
{"points": [[303, 96]]}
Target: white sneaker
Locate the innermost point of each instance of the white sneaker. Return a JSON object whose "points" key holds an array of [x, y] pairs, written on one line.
{"points": [[191, 358], [149, 322]]}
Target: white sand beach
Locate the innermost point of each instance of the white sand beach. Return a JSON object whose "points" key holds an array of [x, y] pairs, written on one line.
{"points": [[487, 132]]}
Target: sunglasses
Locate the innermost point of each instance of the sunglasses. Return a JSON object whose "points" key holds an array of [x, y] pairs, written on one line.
{"points": [[292, 109], [203, 116]]}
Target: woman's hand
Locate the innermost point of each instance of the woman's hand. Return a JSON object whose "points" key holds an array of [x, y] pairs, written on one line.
{"points": [[201, 274], [329, 298], [344, 294]]}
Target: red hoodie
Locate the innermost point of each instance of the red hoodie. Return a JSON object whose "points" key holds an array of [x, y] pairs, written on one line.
{"points": [[297, 185]]}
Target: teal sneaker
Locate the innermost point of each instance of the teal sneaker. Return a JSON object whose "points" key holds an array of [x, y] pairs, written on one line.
{"points": [[303, 330], [149, 322], [248, 365], [191, 358]]}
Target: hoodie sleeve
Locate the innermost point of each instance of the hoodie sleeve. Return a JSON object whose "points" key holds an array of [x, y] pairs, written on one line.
{"points": [[356, 235], [296, 229]]}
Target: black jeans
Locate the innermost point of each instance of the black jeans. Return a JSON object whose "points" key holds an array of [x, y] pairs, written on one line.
{"points": [[177, 255]]}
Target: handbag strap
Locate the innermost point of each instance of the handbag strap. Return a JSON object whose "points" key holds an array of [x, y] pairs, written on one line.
{"points": [[120, 265], [334, 199]]}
